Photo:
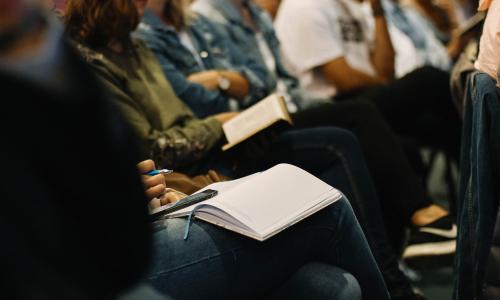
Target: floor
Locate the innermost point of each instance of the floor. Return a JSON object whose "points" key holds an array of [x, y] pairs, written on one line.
{"points": [[437, 284]]}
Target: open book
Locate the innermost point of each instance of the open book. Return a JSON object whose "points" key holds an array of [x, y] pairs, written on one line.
{"points": [[254, 119], [263, 204]]}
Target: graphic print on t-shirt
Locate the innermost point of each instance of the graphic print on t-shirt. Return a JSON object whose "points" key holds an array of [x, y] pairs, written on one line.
{"points": [[350, 29]]}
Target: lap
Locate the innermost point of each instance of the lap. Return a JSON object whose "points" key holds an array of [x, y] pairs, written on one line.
{"points": [[216, 263]]}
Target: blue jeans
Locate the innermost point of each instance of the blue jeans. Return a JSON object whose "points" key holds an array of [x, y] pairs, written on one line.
{"points": [[479, 190], [333, 155], [218, 264]]}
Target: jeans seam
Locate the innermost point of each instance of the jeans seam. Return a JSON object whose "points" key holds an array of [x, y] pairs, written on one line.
{"points": [[345, 165], [207, 258]]}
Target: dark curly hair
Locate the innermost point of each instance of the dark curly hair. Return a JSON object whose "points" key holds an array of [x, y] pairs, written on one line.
{"points": [[97, 23]]}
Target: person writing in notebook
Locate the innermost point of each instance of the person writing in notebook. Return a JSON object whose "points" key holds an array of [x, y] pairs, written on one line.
{"points": [[91, 240], [270, 266]]}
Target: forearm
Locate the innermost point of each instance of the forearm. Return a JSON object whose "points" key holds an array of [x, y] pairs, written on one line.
{"points": [[383, 55], [345, 78], [238, 87], [182, 147], [438, 16]]}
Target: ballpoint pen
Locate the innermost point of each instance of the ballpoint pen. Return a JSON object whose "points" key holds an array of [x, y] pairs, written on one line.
{"points": [[156, 172]]}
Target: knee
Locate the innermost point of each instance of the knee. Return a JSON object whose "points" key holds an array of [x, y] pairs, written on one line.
{"points": [[340, 139], [324, 281], [349, 289]]}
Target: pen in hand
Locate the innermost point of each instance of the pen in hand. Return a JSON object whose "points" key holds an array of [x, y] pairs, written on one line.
{"points": [[156, 172]]}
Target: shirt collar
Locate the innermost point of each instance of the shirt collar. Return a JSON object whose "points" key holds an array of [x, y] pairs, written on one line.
{"points": [[154, 22]]}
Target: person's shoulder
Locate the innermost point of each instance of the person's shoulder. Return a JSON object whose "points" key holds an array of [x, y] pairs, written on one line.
{"points": [[300, 7], [88, 54], [300, 4], [148, 35], [209, 9]]}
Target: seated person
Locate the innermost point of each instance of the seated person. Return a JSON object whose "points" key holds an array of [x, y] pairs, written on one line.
{"points": [[70, 184], [248, 261], [176, 139], [219, 80], [346, 59], [169, 23], [444, 16], [72, 240], [415, 42], [488, 59]]}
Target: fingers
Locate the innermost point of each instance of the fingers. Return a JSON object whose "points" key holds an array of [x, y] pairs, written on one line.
{"points": [[172, 196], [151, 181], [155, 203], [155, 191], [146, 166]]}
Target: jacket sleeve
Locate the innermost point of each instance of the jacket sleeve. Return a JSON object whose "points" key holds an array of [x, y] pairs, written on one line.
{"points": [[259, 78], [176, 147], [203, 102]]}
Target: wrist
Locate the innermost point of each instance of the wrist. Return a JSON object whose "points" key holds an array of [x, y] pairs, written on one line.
{"points": [[223, 83]]}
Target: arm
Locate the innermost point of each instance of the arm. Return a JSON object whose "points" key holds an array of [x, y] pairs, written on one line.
{"points": [[155, 188], [175, 147], [383, 55], [202, 101], [316, 42], [261, 83], [438, 16], [238, 88], [344, 78]]}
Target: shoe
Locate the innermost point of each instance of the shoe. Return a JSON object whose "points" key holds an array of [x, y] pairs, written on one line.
{"points": [[436, 241]]}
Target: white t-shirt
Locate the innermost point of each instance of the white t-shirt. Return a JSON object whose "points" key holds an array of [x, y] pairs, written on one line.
{"points": [[187, 42], [315, 32]]}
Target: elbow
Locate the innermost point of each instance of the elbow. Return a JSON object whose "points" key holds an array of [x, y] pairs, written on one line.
{"points": [[243, 92], [348, 86], [386, 74]]}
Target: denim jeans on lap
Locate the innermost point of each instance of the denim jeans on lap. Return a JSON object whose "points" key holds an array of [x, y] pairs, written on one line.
{"points": [[335, 156], [317, 280], [214, 263]]}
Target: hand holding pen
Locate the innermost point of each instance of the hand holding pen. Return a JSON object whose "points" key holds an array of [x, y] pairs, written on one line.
{"points": [[158, 172], [154, 183]]}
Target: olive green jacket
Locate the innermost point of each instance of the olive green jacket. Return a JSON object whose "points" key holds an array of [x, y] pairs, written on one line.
{"points": [[169, 131]]}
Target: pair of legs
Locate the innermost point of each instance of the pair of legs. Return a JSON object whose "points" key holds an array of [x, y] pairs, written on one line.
{"points": [[334, 155], [323, 257], [419, 106], [399, 189]]}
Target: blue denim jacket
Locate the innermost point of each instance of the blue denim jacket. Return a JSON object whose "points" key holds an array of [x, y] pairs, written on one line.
{"points": [[479, 186], [420, 32], [178, 62], [223, 12]]}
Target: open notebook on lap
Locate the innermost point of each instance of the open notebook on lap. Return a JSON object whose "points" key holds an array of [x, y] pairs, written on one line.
{"points": [[263, 204]]}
